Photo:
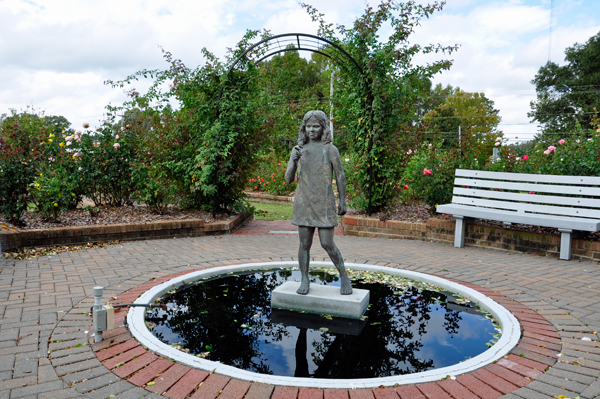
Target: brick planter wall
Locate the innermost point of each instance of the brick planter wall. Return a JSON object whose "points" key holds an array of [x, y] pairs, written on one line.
{"points": [[123, 232], [269, 198], [440, 230]]}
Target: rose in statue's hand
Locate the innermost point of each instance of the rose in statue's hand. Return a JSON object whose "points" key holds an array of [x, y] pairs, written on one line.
{"points": [[342, 208], [296, 153]]}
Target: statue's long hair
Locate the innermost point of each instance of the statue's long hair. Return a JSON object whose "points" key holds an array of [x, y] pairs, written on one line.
{"points": [[326, 138]]}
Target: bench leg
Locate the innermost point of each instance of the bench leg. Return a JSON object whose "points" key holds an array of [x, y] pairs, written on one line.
{"points": [[459, 233], [565, 244]]}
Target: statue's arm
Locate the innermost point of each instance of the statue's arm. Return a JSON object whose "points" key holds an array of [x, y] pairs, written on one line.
{"points": [[340, 178], [290, 173]]}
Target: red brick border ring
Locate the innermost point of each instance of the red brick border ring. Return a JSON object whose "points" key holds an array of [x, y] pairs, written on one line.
{"points": [[119, 363]]}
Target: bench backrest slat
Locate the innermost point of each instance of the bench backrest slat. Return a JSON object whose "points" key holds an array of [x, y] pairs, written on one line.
{"points": [[525, 177], [538, 188], [526, 197], [528, 207]]}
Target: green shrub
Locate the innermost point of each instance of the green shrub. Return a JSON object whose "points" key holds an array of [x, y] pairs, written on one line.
{"points": [[53, 191], [106, 156], [22, 140], [576, 155], [270, 176]]}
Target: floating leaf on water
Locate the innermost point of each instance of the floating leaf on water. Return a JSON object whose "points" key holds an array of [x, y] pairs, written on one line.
{"points": [[208, 347], [324, 329], [375, 323]]}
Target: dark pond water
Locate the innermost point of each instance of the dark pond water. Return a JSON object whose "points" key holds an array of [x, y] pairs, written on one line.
{"points": [[407, 329]]}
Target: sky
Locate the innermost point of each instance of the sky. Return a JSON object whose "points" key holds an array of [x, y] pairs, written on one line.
{"points": [[56, 55]]}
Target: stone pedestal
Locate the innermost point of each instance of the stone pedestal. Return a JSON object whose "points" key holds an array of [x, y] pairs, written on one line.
{"points": [[321, 299]]}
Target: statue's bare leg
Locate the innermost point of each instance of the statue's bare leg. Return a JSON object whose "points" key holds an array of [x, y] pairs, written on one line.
{"points": [[326, 237], [306, 237]]}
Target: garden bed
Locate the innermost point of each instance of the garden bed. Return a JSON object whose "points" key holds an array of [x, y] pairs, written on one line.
{"points": [[77, 227], [108, 215]]}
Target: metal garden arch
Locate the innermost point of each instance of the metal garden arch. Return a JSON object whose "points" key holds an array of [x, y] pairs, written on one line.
{"points": [[304, 42]]}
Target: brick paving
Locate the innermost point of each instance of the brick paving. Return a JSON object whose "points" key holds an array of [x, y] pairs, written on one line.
{"points": [[45, 351]]}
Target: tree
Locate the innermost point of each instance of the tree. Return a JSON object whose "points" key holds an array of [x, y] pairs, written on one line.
{"points": [[290, 86], [473, 113], [567, 95], [378, 105]]}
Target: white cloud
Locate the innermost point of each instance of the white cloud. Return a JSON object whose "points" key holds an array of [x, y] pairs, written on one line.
{"points": [[56, 55], [502, 46]]}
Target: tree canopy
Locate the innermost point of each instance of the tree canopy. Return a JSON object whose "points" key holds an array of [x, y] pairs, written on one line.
{"points": [[473, 113], [567, 95]]}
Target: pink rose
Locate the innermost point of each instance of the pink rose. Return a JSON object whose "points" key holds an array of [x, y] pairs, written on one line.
{"points": [[561, 141], [552, 148], [525, 157], [116, 145], [406, 186], [426, 171], [409, 152]]}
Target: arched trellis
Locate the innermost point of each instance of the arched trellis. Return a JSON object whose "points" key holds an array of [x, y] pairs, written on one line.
{"points": [[303, 42]]}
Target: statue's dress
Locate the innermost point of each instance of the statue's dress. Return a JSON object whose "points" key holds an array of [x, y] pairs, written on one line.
{"points": [[314, 202]]}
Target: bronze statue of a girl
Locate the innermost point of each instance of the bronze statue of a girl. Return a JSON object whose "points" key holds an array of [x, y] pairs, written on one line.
{"points": [[316, 158]]}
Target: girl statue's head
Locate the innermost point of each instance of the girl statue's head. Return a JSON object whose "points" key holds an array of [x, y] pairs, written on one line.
{"points": [[322, 118]]}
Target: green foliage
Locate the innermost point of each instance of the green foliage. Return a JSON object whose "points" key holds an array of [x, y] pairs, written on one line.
{"points": [[289, 87], [105, 157], [53, 191], [378, 107], [577, 155], [270, 176], [473, 113], [430, 174], [205, 148], [567, 95], [22, 140]]}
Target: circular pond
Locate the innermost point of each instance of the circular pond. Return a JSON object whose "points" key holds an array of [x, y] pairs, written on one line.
{"points": [[416, 330]]}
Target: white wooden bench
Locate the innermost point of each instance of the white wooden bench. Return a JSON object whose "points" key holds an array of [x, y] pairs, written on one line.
{"points": [[565, 202]]}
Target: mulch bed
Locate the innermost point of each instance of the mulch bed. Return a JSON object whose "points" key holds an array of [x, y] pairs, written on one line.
{"points": [[108, 215]]}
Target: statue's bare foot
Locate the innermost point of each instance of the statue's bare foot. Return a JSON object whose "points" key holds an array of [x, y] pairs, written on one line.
{"points": [[346, 288], [304, 286]]}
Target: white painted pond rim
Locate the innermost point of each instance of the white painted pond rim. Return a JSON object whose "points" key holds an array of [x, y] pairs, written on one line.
{"points": [[511, 331]]}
